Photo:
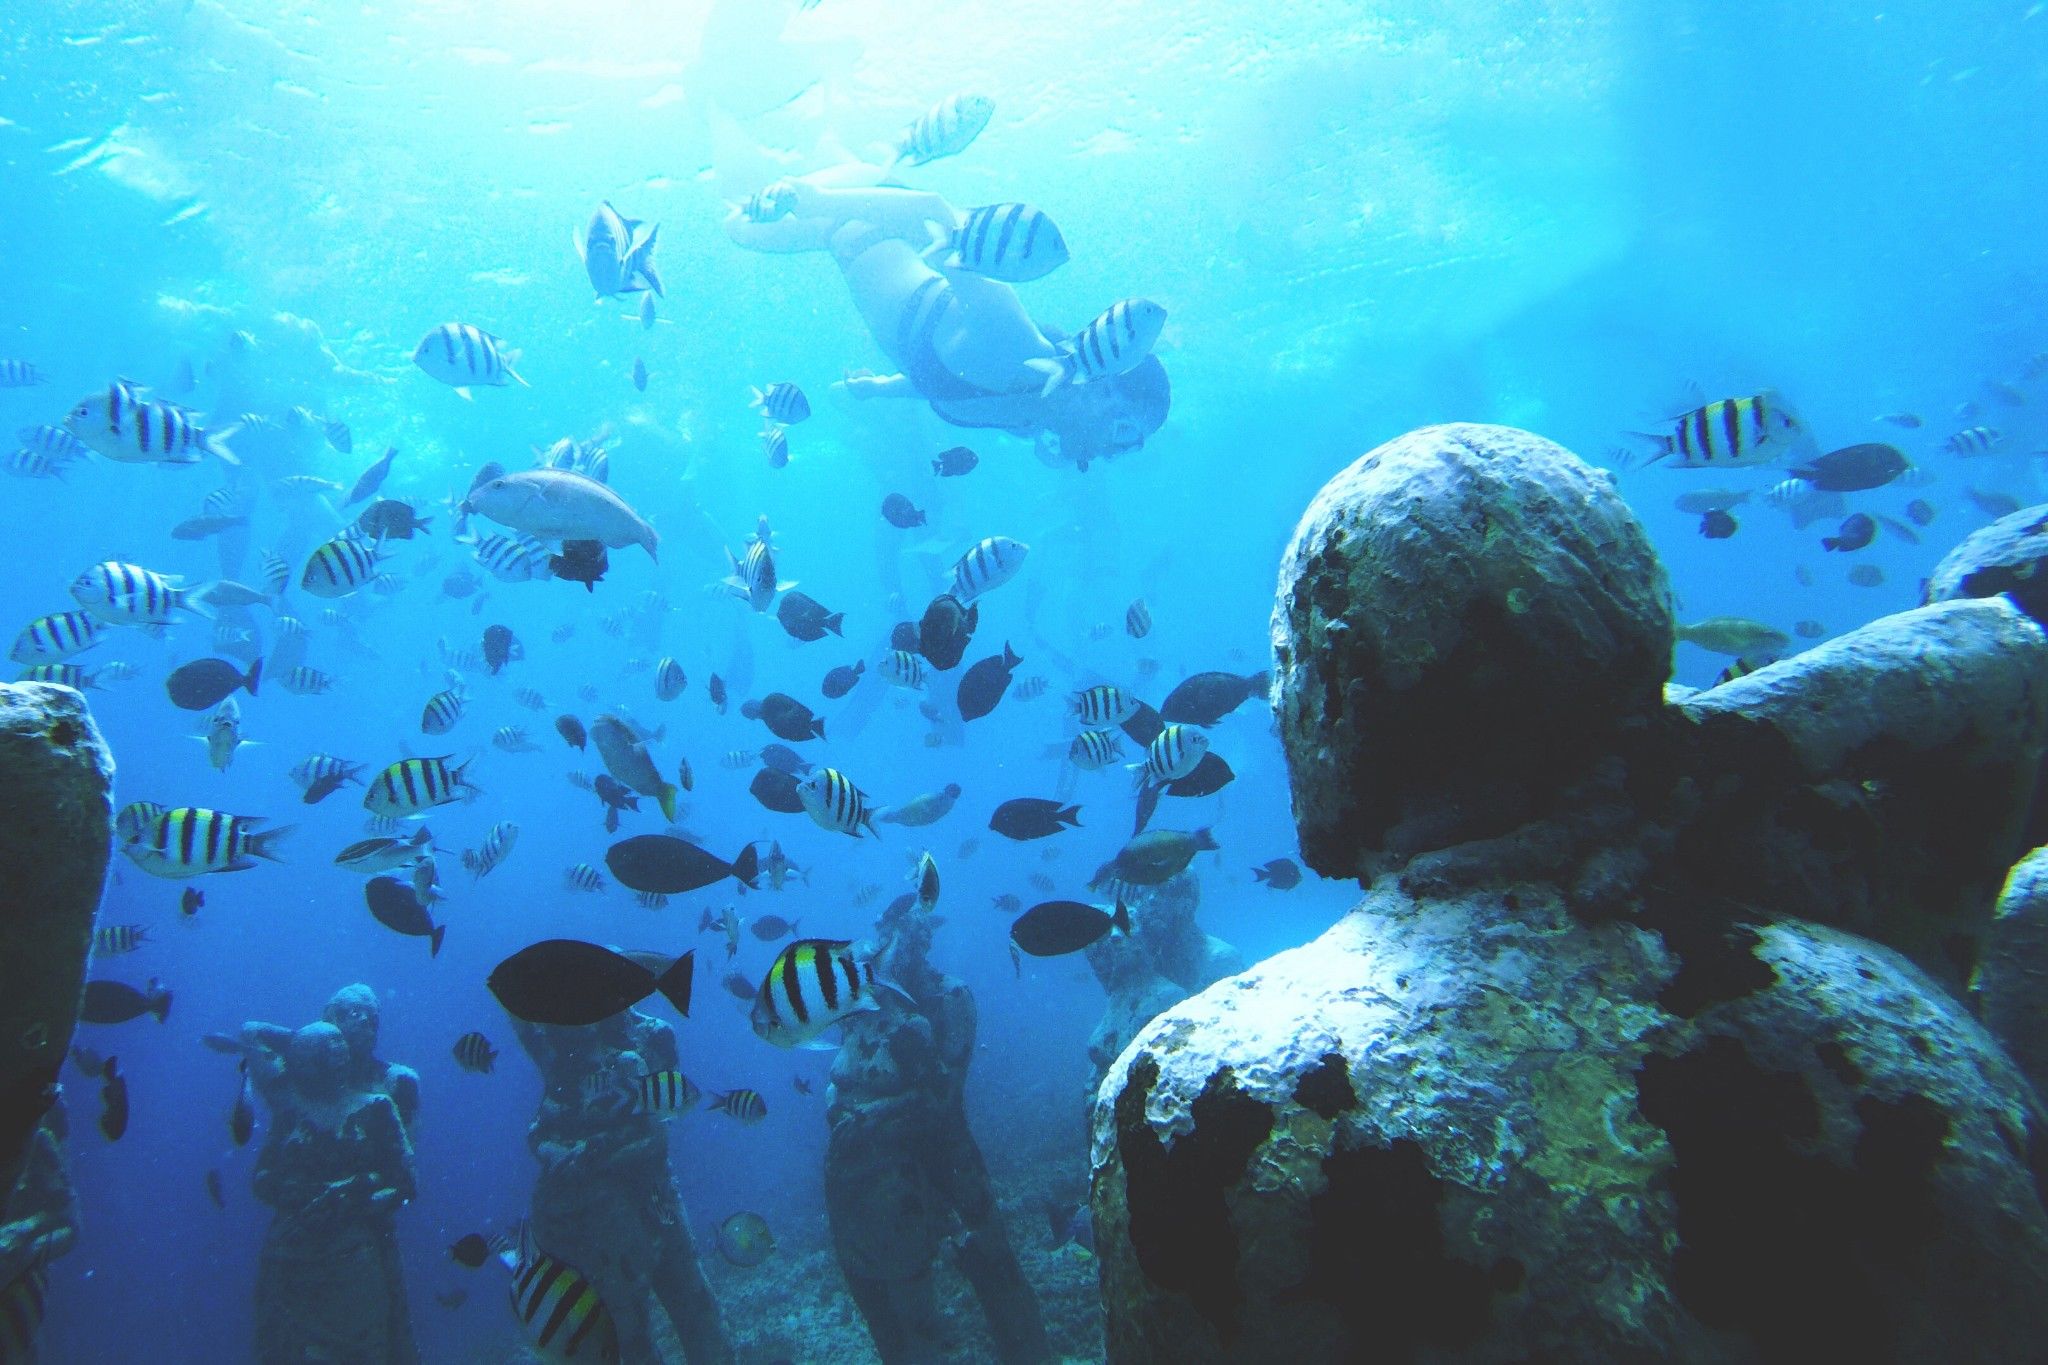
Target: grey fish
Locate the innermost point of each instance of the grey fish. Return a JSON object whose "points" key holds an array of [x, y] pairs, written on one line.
{"points": [[627, 760]]}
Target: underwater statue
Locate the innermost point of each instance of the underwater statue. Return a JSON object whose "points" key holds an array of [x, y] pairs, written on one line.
{"points": [[1163, 960], [1648, 1039], [901, 1165], [605, 1201], [335, 1167]]}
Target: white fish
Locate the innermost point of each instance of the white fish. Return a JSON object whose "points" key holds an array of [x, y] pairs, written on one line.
{"points": [[948, 128], [903, 668], [617, 255], [1015, 243], [126, 427], [988, 565], [127, 594], [1174, 752], [460, 355], [553, 504], [223, 737]]}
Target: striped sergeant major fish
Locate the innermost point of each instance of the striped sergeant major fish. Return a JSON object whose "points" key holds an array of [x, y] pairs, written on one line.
{"points": [[513, 740], [813, 984], [443, 710], [1138, 620], [948, 128], [775, 445], [1094, 749], [669, 680], [1734, 433], [665, 1092], [473, 1052], [512, 559], [134, 820], [307, 681], [55, 442], [903, 668], [561, 1311], [29, 464], [782, 402], [1015, 243], [1975, 441], [460, 355], [25, 1299], [1113, 344], [20, 374], [991, 563], [1174, 753], [126, 427], [119, 938], [496, 847], [1103, 706], [64, 675], [129, 595], [752, 579], [584, 877], [745, 1105], [188, 841], [411, 787], [324, 769], [56, 637], [832, 800], [340, 566]]}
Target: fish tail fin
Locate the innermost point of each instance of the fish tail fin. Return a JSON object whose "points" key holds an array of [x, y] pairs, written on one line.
{"points": [[254, 676], [265, 844], [1011, 659], [1259, 875], [159, 1000], [216, 445], [835, 621], [462, 391], [440, 932], [511, 358], [759, 399], [1121, 920], [1071, 815], [674, 984], [747, 868], [1205, 840], [668, 800]]}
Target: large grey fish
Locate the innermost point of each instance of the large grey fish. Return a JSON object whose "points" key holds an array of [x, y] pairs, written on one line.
{"points": [[617, 255], [553, 504]]}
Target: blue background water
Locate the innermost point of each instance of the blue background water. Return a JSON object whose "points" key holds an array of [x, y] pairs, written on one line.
{"points": [[1361, 219]]}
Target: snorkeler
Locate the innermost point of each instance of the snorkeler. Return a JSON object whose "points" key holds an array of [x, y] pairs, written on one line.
{"points": [[960, 342]]}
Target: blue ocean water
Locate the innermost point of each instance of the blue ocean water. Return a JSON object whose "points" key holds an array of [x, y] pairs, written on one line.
{"points": [[1359, 219]]}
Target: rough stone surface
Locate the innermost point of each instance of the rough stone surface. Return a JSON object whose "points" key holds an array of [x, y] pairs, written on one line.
{"points": [[1881, 782], [58, 777], [2009, 556], [1464, 615], [1443, 1132], [1166, 958], [2012, 984]]}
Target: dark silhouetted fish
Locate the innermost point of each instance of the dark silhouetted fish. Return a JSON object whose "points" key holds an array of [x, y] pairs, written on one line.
{"points": [[206, 683], [1207, 698], [566, 981], [397, 907], [1053, 928], [983, 685], [1032, 817], [668, 865]]}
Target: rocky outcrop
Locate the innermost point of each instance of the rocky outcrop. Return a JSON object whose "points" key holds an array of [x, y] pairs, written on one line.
{"points": [[1582, 1078], [54, 844], [2012, 985], [2009, 556]]}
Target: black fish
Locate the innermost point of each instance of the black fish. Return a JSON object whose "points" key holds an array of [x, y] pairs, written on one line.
{"points": [[841, 680], [901, 513], [715, 689], [113, 1101], [946, 630], [1853, 469], [805, 618], [1207, 698], [738, 987], [571, 731], [982, 686], [471, 1250], [1143, 727], [784, 759], [206, 683], [1855, 532], [617, 796], [1718, 525], [1281, 874], [566, 981], [214, 1191], [1033, 817], [1057, 927], [787, 718], [1148, 805], [397, 907], [777, 791], [903, 636], [1210, 776], [501, 647], [666, 864], [1920, 512], [581, 561], [115, 1002], [371, 479], [955, 462], [190, 899], [389, 519]]}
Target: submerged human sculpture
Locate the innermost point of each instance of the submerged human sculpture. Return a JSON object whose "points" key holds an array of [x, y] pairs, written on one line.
{"points": [[605, 1201], [902, 1166], [335, 1167]]}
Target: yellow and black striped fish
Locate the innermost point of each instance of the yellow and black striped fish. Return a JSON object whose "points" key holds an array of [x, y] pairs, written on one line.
{"points": [[1732, 433], [56, 637], [832, 800], [584, 877], [563, 1316], [443, 710], [186, 841], [745, 1105], [413, 786], [665, 1092], [473, 1052], [812, 985], [22, 1304], [119, 938], [1103, 706], [339, 567]]}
